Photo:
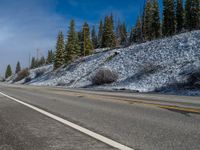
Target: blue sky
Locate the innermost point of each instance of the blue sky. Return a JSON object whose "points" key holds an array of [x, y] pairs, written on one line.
{"points": [[27, 25]]}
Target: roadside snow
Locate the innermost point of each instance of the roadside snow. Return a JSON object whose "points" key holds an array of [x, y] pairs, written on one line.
{"points": [[144, 67]]}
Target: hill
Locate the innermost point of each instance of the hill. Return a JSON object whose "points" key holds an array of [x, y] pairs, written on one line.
{"points": [[169, 65]]}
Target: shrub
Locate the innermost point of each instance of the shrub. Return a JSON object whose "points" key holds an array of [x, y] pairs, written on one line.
{"points": [[104, 76], [149, 68], [27, 79], [39, 72], [61, 83], [193, 78], [22, 74], [112, 56]]}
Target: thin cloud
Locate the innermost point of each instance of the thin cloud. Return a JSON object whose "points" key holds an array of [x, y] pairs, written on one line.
{"points": [[24, 27]]}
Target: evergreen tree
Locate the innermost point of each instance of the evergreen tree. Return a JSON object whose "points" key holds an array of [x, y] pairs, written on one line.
{"points": [[41, 61], [148, 21], [87, 46], [179, 16], [59, 56], [132, 36], [80, 38], [72, 48], [94, 38], [18, 67], [8, 71], [142, 22], [136, 33], [123, 34], [33, 63], [156, 26], [80, 41], [100, 34], [50, 57], [108, 37], [117, 33], [168, 17], [188, 14], [192, 18], [197, 8]]}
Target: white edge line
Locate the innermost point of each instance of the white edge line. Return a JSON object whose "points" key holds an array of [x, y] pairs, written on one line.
{"points": [[74, 126]]}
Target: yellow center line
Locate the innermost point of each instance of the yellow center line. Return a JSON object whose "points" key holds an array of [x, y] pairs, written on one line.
{"points": [[128, 100]]}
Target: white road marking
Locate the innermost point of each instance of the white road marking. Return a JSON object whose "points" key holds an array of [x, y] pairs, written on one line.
{"points": [[74, 126]]}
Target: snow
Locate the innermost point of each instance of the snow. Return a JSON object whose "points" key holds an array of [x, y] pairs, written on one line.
{"points": [[144, 67], [44, 69]]}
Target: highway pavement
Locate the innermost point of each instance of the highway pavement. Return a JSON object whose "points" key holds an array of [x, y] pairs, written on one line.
{"points": [[137, 121]]}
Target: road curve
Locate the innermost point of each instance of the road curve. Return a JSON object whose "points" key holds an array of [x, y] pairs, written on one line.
{"points": [[135, 120]]}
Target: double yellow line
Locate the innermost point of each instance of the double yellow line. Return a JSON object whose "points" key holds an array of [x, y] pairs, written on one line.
{"points": [[128, 100]]}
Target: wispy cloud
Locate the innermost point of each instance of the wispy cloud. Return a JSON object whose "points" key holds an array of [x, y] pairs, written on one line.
{"points": [[26, 26]]}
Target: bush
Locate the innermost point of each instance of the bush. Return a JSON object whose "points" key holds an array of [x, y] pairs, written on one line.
{"points": [[21, 75], [112, 56], [63, 83], [104, 76], [27, 79], [149, 68], [194, 79], [39, 72]]}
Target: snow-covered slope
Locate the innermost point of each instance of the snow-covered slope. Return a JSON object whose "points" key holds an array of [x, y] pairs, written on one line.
{"points": [[144, 67], [35, 75]]}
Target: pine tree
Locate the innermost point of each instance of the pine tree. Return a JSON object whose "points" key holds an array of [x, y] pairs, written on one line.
{"points": [[72, 48], [87, 46], [123, 34], [156, 26], [179, 16], [94, 38], [18, 67], [59, 56], [100, 33], [192, 18], [33, 63], [108, 37], [148, 21], [197, 6], [112, 33], [168, 17], [50, 57], [188, 14], [8, 71], [136, 33], [41, 61], [132, 36], [142, 18], [80, 42], [117, 34]]}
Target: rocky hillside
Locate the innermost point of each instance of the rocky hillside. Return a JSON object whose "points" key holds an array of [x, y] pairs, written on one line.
{"points": [[165, 65]]}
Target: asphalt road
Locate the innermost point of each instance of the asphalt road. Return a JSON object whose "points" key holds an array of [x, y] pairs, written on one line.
{"points": [[140, 121]]}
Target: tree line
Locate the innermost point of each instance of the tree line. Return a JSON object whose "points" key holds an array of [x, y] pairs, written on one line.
{"points": [[82, 43], [176, 17], [35, 63]]}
